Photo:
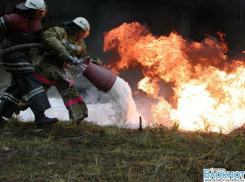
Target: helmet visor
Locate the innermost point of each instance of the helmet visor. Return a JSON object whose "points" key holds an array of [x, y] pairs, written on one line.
{"points": [[39, 14], [82, 34]]}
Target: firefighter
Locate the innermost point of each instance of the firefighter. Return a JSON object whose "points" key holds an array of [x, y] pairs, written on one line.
{"points": [[66, 48], [21, 26]]}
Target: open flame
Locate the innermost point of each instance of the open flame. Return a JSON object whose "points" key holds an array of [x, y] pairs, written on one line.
{"points": [[208, 88]]}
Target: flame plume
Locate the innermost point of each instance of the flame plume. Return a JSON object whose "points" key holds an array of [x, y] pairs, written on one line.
{"points": [[208, 89]]}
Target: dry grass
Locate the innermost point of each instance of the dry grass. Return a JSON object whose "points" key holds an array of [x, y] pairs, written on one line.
{"points": [[88, 152]]}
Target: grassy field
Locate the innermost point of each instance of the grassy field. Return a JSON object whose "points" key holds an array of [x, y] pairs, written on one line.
{"points": [[65, 152]]}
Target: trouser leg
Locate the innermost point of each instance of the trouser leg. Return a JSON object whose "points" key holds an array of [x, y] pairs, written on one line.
{"points": [[73, 101], [10, 98], [35, 97], [23, 104], [33, 92]]}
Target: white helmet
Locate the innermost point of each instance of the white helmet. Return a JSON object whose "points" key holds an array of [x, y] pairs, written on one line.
{"points": [[36, 4], [83, 24], [39, 6]]}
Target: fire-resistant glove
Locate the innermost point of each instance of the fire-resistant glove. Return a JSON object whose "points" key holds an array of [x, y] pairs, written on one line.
{"points": [[97, 61], [84, 60], [87, 59], [73, 60]]}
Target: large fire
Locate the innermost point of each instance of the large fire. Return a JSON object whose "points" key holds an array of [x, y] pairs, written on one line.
{"points": [[208, 87]]}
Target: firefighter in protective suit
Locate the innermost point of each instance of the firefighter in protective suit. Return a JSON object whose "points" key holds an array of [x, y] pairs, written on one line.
{"points": [[22, 26], [66, 48]]}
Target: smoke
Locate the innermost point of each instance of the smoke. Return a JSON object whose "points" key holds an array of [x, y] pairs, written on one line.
{"points": [[94, 96]]}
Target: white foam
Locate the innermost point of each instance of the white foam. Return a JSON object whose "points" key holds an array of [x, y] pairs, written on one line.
{"points": [[125, 110], [121, 111]]}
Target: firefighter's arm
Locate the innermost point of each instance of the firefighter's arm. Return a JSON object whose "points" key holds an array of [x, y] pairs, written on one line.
{"points": [[6, 22], [5, 26], [51, 39], [82, 55], [83, 52]]}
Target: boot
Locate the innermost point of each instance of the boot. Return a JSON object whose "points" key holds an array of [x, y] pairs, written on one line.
{"points": [[17, 111], [2, 121], [41, 119], [23, 105]]}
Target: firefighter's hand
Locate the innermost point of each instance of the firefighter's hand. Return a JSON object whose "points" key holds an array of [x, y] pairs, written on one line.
{"points": [[97, 61], [73, 60], [84, 60]]}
